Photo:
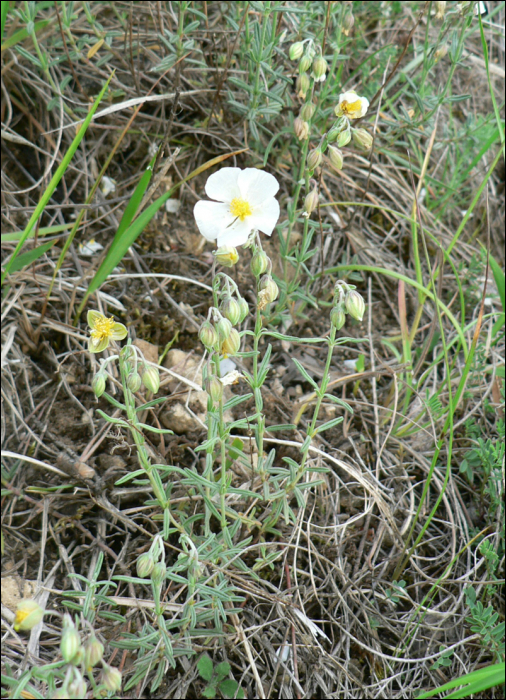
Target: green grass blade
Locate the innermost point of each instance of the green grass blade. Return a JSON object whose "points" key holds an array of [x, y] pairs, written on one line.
{"points": [[13, 236], [31, 256], [53, 184], [498, 273], [474, 682], [133, 204]]}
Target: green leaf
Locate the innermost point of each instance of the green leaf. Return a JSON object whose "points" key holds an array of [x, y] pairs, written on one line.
{"points": [[498, 273], [281, 426], [222, 670], [305, 374], [31, 256], [209, 692], [205, 667], [228, 688]]}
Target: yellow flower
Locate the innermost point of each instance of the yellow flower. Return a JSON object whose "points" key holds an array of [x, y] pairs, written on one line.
{"points": [[351, 105], [103, 330]]}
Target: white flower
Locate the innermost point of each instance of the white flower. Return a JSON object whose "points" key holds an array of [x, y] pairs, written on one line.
{"points": [[245, 201], [351, 105]]}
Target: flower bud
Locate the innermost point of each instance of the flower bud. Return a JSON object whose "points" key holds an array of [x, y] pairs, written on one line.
{"points": [[348, 22], [301, 129], [302, 85], [259, 263], [134, 381], [93, 653], [70, 643], [208, 336], [296, 50], [362, 139], [440, 10], [159, 573], [98, 384], [223, 327], [355, 305], [28, 615], [344, 137], [214, 388], [270, 289], [77, 688], [305, 63], [226, 256], [230, 309], [307, 111], [231, 345], [311, 201], [314, 158], [243, 305], [336, 158], [319, 69], [332, 134], [111, 679], [440, 52], [337, 317], [145, 564], [151, 379]]}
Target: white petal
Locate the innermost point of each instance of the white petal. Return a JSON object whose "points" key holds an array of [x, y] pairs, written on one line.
{"points": [[222, 185], [237, 234], [265, 217], [212, 219], [256, 185]]}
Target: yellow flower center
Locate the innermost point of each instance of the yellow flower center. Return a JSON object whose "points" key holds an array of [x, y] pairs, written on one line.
{"points": [[350, 108], [103, 329], [240, 208]]}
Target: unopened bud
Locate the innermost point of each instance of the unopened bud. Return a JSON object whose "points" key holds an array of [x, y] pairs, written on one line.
{"points": [[348, 22], [231, 345], [355, 305], [134, 381], [159, 573], [307, 111], [214, 388], [362, 139], [311, 201], [440, 52], [70, 643], [337, 317], [231, 310], [332, 134], [93, 653], [226, 256], [314, 158], [336, 158], [111, 679], [208, 336], [269, 288], [305, 63], [319, 69], [301, 129], [344, 137], [440, 10], [77, 688], [98, 384], [151, 379], [259, 263], [296, 50], [243, 305], [302, 85], [145, 564], [28, 614], [223, 327]]}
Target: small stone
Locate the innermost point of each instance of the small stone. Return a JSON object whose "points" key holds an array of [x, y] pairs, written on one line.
{"points": [[149, 350]]}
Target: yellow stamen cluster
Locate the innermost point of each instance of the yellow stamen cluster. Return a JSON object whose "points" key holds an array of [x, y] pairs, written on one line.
{"points": [[240, 208], [103, 328], [349, 109]]}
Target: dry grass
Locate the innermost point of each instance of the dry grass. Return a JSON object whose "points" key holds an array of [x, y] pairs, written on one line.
{"points": [[335, 567]]}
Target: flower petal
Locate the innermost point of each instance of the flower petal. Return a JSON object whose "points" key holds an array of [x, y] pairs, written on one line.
{"points": [[237, 234], [100, 346], [118, 331], [266, 217], [212, 219], [93, 317], [222, 185], [256, 186]]}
